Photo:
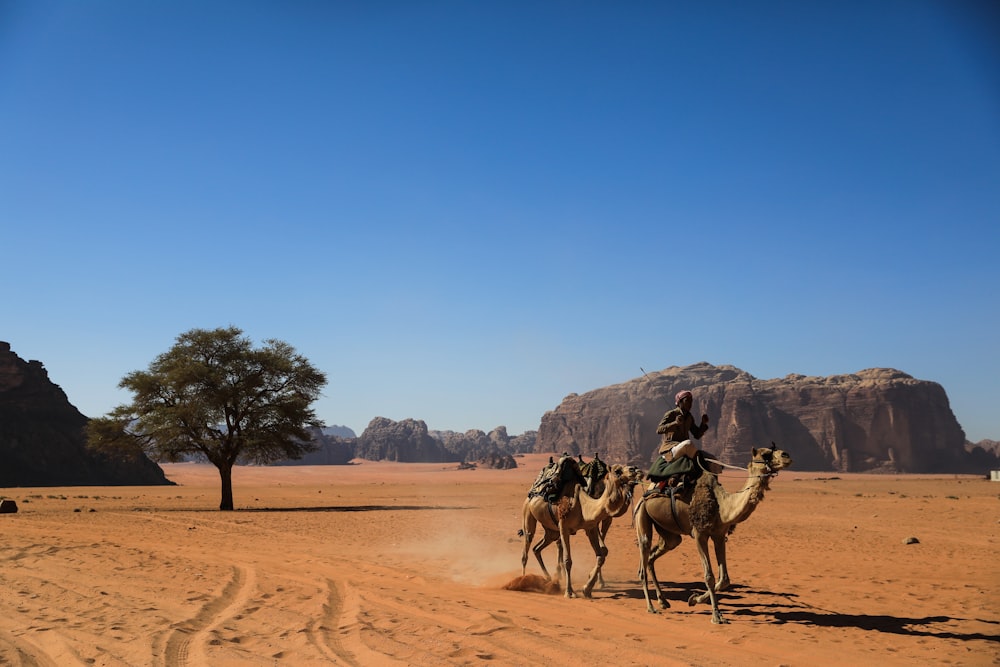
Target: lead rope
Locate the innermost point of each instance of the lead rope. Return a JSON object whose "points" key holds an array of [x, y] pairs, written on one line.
{"points": [[770, 471], [724, 465]]}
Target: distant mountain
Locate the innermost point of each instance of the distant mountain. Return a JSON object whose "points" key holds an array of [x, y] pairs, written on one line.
{"points": [[330, 450], [42, 441], [410, 440], [339, 431]]}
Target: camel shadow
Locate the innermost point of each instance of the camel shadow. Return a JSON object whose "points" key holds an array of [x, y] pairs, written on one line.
{"points": [[633, 592], [794, 611], [780, 607]]}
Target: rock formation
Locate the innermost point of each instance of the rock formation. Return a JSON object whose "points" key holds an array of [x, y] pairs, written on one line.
{"points": [[405, 441], [874, 420], [498, 462], [476, 445], [410, 441], [42, 440]]}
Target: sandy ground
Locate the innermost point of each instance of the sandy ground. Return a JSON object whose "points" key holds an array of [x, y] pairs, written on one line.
{"points": [[385, 564]]}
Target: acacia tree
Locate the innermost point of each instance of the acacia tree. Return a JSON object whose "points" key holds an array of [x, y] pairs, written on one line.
{"points": [[216, 395]]}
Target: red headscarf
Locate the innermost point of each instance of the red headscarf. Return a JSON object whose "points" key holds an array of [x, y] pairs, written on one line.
{"points": [[681, 395]]}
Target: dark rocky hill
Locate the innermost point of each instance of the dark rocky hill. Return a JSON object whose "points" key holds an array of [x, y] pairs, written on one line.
{"points": [[878, 419], [42, 440], [330, 450]]}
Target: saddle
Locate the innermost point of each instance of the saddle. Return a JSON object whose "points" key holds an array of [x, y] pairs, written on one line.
{"points": [[553, 477]]}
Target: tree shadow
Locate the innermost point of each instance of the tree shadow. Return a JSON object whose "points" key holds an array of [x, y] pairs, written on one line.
{"points": [[329, 508], [357, 508]]}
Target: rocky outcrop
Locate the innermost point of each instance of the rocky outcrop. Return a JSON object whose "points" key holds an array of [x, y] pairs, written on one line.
{"points": [[476, 445], [874, 420], [991, 446], [984, 455], [405, 441], [42, 441], [498, 462]]}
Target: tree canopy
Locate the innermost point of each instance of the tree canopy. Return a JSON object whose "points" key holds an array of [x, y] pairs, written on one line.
{"points": [[213, 394]]}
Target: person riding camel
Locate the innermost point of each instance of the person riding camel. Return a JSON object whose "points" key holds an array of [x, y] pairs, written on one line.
{"points": [[676, 461]]}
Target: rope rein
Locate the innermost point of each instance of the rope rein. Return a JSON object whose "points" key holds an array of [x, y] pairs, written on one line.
{"points": [[770, 471], [724, 465]]}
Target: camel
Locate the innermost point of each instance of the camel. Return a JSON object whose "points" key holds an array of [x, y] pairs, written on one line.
{"points": [[576, 511], [606, 523], [709, 512], [555, 482]]}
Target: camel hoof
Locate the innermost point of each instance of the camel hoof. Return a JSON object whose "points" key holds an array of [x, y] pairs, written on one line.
{"points": [[693, 600], [718, 620]]}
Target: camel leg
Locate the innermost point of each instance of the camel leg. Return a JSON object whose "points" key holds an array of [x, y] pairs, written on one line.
{"points": [[528, 530], [601, 551], [605, 527], [644, 536], [544, 541], [706, 562], [668, 542], [720, 558], [567, 559], [559, 556]]}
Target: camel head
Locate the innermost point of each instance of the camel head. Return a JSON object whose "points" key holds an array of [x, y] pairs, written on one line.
{"points": [[767, 461], [568, 470], [627, 475]]}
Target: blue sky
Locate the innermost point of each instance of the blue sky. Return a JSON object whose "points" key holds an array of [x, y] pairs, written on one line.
{"points": [[464, 211]]}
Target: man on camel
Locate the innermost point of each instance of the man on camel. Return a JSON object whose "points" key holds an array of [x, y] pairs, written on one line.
{"points": [[676, 462]]}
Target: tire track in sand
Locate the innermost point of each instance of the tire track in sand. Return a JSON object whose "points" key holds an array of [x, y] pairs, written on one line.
{"points": [[17, 651], [188, 636], [337, 635]]}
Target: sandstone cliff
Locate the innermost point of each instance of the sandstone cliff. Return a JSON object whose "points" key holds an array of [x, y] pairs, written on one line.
{"points": [[874, 420], [42, 441]]}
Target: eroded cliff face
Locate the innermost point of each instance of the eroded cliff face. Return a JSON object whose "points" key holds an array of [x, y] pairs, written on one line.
{"points": [[42, 439], [878, 419]]}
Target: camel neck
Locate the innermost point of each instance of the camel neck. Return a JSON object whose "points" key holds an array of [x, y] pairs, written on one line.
{"points": [[738, 506]]}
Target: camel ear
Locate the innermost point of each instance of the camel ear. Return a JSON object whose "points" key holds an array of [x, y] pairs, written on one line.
{"points": [[753, 452]]}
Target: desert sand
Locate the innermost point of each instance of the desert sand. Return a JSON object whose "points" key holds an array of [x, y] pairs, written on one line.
{"points": [[405, 564]]}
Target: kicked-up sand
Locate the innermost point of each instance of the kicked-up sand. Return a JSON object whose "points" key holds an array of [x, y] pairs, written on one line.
{"points": [[406, 564]]}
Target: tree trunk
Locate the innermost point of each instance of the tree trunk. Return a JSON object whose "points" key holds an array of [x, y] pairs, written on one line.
{"points": [[226, 474]]}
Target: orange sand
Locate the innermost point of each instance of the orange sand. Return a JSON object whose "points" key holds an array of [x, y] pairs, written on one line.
{"points": [[405, 564]]}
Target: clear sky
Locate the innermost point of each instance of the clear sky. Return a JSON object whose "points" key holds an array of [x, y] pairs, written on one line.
{"points": [[464, 211]]}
